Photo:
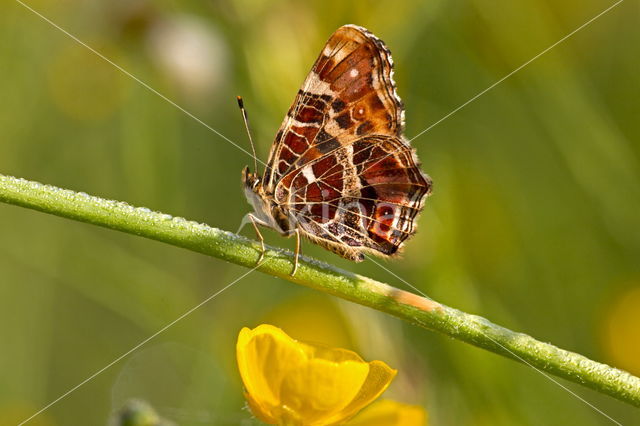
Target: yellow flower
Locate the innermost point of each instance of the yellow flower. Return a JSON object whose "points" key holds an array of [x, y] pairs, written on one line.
{"points": [[390, 413], [292, 383]]}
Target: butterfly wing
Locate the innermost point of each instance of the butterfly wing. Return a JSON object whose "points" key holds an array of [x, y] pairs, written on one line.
{"points": [[348, 93], [363, 198], [340, 166]]}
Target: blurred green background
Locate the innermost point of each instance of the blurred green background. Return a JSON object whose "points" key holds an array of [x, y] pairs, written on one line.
{"points": [[533, 223]]}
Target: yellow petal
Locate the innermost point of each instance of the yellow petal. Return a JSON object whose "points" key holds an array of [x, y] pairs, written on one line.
{"points": [[332, 354], [321, 388], [260, 411], [379, 377], [265, 354], [390, 413]]}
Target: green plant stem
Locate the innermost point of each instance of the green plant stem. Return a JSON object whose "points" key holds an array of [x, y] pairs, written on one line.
{"points": [[410, 307]]}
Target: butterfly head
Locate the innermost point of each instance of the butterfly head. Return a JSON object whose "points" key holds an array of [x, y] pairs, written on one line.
{"points": [[255, 194], [250, 180], [266, 210]]}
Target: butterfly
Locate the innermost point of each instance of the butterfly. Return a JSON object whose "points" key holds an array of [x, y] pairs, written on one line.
{"points": [[340, 171]]}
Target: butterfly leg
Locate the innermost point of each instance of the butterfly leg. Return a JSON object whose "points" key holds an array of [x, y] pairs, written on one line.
{"points": [[260, 237], [297, 253], [246, 219]]}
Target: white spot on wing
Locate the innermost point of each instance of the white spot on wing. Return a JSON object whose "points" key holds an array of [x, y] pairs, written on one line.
{"points": [[353, 73], [307, 171]]}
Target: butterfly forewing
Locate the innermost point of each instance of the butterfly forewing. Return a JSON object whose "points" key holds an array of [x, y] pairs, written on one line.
{"points": [[348, 93]]}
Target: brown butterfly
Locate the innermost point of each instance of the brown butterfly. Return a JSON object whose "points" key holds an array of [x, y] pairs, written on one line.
{"points": [[340, 171]]}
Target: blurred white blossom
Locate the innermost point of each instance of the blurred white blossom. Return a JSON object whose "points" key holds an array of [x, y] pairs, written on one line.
{"points": [[191, 54]]}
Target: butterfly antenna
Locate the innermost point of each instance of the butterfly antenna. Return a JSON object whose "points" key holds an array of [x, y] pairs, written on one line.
{"points": [[246, 125]]}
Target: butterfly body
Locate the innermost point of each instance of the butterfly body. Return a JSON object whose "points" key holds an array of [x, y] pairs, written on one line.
{"points": [[266, 211], [340, 171]]}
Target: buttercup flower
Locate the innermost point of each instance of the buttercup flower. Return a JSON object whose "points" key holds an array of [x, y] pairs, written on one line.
{"points": [[390, 413], [292, 383]]}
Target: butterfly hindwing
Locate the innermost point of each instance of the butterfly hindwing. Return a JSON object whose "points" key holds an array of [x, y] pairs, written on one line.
{"points": [[363, 197]]}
